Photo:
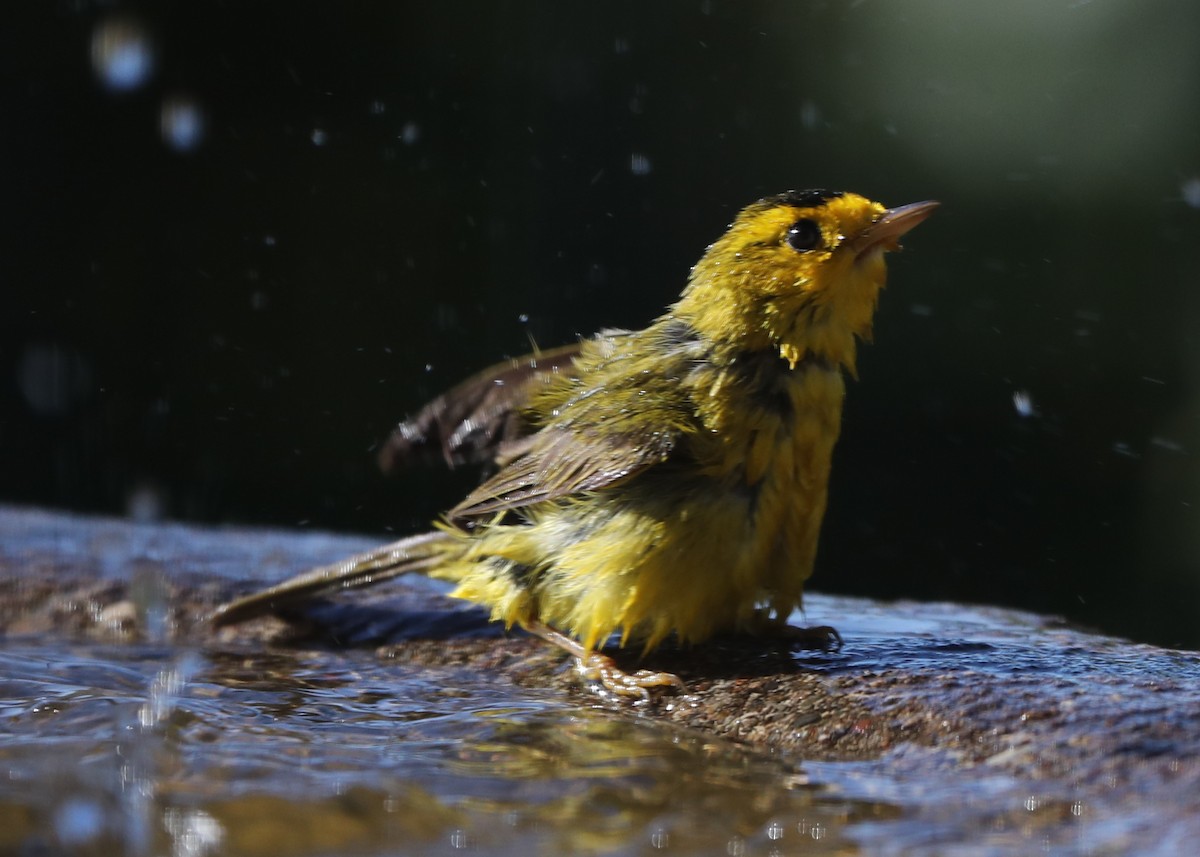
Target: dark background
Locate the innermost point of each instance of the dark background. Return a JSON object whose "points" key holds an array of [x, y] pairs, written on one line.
{"points": [[387, 196]]}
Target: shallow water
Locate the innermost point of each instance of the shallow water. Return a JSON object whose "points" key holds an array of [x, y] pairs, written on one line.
{"points": [[151, 750]]}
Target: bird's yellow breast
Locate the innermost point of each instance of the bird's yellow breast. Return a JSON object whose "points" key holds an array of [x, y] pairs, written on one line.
{"points": [[685, 554]]}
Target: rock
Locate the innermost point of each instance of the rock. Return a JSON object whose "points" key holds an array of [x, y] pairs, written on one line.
{"points": [[975, 722]]}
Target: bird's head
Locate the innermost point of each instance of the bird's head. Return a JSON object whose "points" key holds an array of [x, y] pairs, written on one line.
{"points": [[799, 272]]}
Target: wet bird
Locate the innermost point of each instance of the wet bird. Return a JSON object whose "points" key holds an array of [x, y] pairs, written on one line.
{"points": [[662, 483]]}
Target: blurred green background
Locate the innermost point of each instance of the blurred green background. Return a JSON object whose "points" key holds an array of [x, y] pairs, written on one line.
{"points": [[242, 240]]}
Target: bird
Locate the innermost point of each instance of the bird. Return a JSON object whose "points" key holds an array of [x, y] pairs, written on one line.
{"points": [[663, 483]]}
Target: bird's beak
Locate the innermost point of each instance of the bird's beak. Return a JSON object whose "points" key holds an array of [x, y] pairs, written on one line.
{"points": [[884, 233]]}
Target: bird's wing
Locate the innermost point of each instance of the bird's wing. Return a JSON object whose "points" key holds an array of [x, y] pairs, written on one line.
{"points": [[562, 463], [479, 420], [601, 434]]}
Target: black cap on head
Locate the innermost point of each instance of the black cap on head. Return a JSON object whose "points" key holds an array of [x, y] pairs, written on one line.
{"points": [[801, 198]]}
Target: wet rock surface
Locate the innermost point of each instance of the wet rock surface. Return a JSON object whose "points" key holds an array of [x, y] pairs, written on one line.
{"points": [[971, 725]]}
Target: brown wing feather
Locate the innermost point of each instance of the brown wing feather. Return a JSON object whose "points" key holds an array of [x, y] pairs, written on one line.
{"points": [[478, 420], [562, 462]]}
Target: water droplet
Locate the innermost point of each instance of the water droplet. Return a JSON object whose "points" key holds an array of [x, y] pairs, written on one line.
{"points": [[151, 596], [1167, 443], [122, 53], [53, 378], [167, 689], [195, 832], [181, 124], [319, 137], [810, 115], [410, 133], [79, 821], [145, 504], [1125, 450], [1190, 190], [1023, 402]]}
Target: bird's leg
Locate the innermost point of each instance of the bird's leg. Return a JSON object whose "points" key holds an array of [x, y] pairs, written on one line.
{"points": [[593, 666]]}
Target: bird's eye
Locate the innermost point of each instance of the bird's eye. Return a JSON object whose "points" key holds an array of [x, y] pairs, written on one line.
{"points": [[804, 235]]}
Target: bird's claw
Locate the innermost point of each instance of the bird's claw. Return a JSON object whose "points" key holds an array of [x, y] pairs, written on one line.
{"points": [[821, 637], [602, 669], [824, 638]]}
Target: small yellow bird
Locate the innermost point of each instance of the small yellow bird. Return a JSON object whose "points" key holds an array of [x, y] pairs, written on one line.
{"points": [[668, 482]]}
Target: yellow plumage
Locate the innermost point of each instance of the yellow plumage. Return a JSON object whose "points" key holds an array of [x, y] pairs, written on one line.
{"points": [[670, 481]]}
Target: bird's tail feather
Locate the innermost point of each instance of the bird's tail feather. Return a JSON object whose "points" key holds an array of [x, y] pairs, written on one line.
{"points": [[413, 554]]}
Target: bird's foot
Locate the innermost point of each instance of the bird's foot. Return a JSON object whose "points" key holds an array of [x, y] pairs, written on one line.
{"points": [[595, 667], [824, 638]]}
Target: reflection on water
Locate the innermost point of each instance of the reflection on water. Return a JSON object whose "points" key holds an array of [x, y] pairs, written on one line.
{"points": [[150, 750]]}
